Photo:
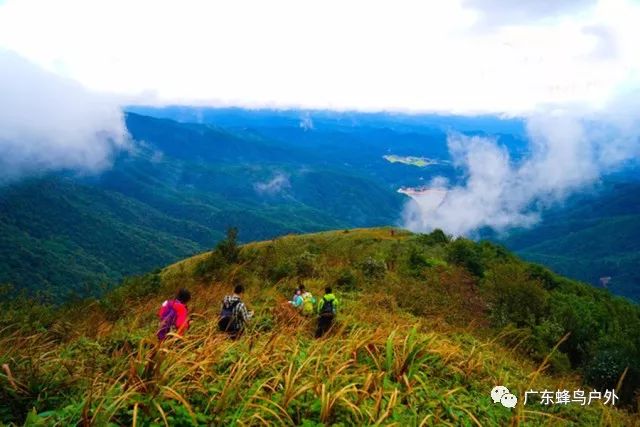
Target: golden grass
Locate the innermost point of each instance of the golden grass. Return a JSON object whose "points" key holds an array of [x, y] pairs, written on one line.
{"points": [[378, 366]]}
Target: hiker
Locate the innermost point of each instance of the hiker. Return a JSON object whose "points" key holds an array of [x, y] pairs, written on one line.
{"points": [[304, 301], [327, 310], [295, 296], [234, 314], [174, 314]]}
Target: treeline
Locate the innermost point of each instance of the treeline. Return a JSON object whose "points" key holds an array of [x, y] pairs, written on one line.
{"points": [[598, 333]]}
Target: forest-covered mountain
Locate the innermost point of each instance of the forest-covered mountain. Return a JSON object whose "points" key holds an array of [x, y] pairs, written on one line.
{"points": [[591, 235], [594, 235], [173, 194], [192, 172]]}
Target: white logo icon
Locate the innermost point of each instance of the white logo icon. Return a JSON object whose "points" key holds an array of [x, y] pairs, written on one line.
{"points": [[501, 394]]}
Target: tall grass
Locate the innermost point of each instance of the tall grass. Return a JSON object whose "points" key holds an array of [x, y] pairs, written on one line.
{"points": [[379, 365]]}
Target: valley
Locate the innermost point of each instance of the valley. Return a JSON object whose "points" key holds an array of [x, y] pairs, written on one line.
{"points": [[186, 182]]}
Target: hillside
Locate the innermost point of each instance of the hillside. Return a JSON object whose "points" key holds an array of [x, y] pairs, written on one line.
{"points": [[182, 184], [592, 236], [172, 196], [427, 327]]}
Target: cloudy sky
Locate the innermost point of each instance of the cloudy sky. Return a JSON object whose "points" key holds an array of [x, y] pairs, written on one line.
{"points": [[462, 56], [570, 69]]}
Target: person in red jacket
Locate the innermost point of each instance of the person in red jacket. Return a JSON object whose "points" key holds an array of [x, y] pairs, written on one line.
{"points": [[174, 314]]}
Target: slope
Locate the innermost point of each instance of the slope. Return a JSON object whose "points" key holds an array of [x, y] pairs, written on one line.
{"points": [[172, 195], [592, 236], [426, 328]]}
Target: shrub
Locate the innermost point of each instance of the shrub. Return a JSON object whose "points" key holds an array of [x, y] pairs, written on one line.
{"points": [[544, 337], [117, 302], [373, 268], [208, 267], [346, 280], [305, 264], [436, 237], [417, 261], [542, 275], [281, 269], [606, 367], [228, 247], [463, 252], [226, 252], [513, 297]]}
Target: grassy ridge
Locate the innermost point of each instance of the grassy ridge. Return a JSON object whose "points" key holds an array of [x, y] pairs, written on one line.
{"points": [[417, 343]]}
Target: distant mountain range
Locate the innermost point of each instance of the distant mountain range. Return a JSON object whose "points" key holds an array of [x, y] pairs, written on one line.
{"points": [[593, 236], [181, 187], [193, 172]]}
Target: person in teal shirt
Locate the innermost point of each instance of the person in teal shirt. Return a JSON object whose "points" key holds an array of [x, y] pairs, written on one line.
{"points": [[304, 301]]}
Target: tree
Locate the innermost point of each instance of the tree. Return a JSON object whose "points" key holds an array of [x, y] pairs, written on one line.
{"points": [[463, 252], [513, 296], [228, 248]]}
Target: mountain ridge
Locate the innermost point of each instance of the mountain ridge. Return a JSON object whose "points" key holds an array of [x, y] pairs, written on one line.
{"points": [[427, 327]]}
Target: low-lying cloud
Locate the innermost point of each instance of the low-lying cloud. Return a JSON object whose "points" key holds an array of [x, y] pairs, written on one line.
{"points": [[567, 153], [276, 185], [499, 13], [51, 123], [306, 123]]}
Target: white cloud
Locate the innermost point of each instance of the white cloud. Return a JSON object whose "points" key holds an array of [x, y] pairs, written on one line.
{"points": [[48, 122], [496, 13], [276, 185], [568, 151], [306, 122], [368, 55]]}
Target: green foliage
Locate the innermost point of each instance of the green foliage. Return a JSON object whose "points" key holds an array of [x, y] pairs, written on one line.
{"points": [[606, 367], [594, 235], [346, 280], [210, 265], [436, 237], [538, 272], [417, 260], [465, 253], [226, 252], [405, 350], [513, 297], [305, 264], [132, 290], [228, 248], [280, 270], [24, 313], [543, 337], [373, 268]]}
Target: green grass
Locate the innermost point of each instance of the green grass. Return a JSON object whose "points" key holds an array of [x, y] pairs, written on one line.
{"points": [[411, 347]]}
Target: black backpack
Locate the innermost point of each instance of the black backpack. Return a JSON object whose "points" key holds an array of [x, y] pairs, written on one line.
{"points": [[228, 321], [327, 308]]}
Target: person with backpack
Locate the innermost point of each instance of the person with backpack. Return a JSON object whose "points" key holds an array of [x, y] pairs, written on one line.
{"points": [[174, 314], [234, 314], [304, 301], [327, 310], [295, 296]]}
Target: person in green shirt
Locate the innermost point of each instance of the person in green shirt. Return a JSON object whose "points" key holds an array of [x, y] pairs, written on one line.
{"points": [[327, 310]]}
